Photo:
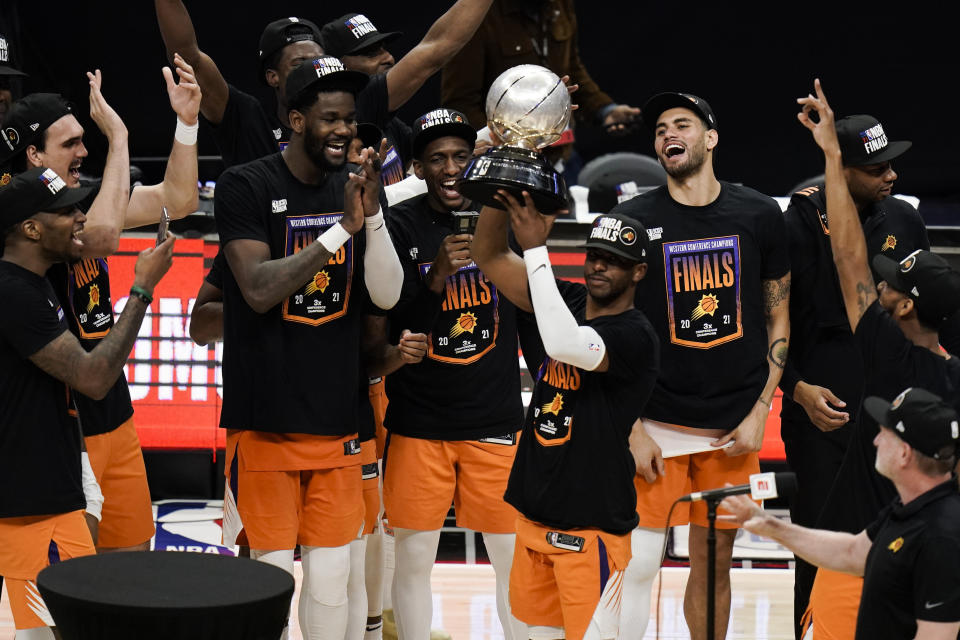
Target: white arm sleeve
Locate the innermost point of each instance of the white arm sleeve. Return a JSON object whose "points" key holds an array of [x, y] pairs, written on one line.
{"points": [[91, 489], [563, 339], [383, 274]]}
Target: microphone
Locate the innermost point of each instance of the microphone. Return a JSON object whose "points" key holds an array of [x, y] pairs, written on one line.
{"points": [[762, 486]]}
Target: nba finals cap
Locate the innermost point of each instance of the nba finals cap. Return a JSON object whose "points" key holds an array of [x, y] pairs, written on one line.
{"points": [[326, 73], [33, 191], [920, 418], [282, 32], [620, 235], [438, 124], [27, 119], [351, 33], [5, 68], [926, 278], [671, 100], [863, 141]]}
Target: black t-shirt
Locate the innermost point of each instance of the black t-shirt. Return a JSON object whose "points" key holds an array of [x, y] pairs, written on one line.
{"points": [[573, 467], [39, 440], [892, 363], [373, 104], [913, 567], [215, 275], [822, 349], [83, 289], [294, 368], [703, 293], [472, 352], [247, 132]]}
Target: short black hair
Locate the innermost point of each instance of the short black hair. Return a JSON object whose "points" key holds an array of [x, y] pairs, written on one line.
{"points": [[308, 97]]}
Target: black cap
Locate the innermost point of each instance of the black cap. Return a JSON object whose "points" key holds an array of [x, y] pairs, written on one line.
{"points": [[920, 418], [5, 68], [370, 135], [620, 235], [609, 190], [863, 141], [33, 191], [438, 124], [926, 278], [326, 73], [282, 32], [351, 33], [671, 100], [27, 119]]}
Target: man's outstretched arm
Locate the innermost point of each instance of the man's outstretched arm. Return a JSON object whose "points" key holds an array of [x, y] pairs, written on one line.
{"points": [[846, 235], [445, 38]]}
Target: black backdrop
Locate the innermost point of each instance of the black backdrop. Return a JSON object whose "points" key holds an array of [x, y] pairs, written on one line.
{"points": [[749, 61]]}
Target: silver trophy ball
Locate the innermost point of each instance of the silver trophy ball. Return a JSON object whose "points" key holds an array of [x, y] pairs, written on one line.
{"points": [[528, 106]]}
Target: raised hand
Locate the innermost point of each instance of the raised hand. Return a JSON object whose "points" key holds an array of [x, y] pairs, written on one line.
{"points": [[152, 264], [101, 112], [185, 94], [824, 129], [530, 227]]}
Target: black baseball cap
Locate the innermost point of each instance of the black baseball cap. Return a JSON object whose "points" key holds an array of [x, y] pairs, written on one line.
{"points": [[33, 191], [326, 73], [350, 33], [620, 235], [926, 278], [282, 32], [671, 100], [920, 418], [27, 119], [438, 124], [863, 141], [5, 68]]}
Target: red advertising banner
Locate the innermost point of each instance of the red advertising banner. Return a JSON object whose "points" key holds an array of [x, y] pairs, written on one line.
{"points": [[176, 384]]}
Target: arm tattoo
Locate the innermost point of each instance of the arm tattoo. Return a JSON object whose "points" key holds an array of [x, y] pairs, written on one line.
{"points": [[866, 293], [778, 352], [775, 292]]}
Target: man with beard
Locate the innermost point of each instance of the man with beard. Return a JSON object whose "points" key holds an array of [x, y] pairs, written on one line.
{"points": [[448, 443], [895, 326], [299, 273], [719, 300], [42, 130], [822, 381], [572, 478], [245, 130], [42, 504]]}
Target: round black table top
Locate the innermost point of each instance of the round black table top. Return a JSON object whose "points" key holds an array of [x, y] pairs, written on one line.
{"points": [[158, 594]]}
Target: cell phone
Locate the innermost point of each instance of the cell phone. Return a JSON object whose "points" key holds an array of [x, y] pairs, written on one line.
{"points": [[376, 166], [465, 221], [162, 228]]}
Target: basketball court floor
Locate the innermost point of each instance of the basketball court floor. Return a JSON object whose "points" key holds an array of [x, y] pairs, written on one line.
{"points": [[463, 584]]}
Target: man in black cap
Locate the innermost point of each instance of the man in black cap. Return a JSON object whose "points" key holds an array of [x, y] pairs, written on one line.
{"points": [[718, 295], [822, 379], [909, 554], [299, 272], [42, 130], [40, 359], [245, 130], [895, 328], [572, 477], [448, 443]]}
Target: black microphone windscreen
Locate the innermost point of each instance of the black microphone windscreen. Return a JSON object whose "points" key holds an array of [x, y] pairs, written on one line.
{"points": [[786, 484]]}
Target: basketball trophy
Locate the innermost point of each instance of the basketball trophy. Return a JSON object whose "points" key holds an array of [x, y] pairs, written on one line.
{"points": [[528, 107]]}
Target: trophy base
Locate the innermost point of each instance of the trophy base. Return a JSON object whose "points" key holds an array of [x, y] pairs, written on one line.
{"points": [[514, 170]]}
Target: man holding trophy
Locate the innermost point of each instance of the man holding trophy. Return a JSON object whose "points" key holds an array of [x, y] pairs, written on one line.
{"points": [[572, 479]]}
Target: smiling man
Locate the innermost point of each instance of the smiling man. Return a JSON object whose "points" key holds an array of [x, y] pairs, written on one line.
{"points": [[717, 293], [448, 443], [306, 244]]}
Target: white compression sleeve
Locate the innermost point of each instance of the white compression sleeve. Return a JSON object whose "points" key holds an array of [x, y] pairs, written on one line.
{"points": [[416, 552], [500, 551], [357, 591], [91, 488], [326, 571], [646, 547], [563, 339], [383, 274]]}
